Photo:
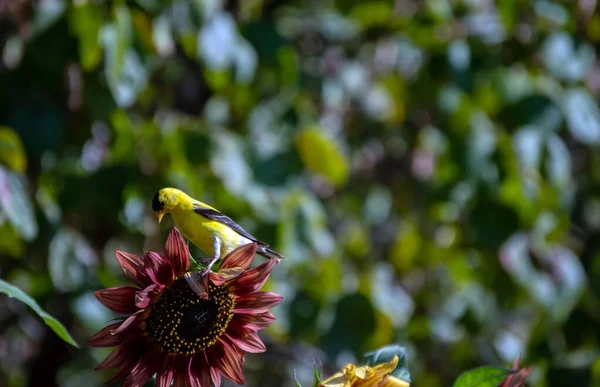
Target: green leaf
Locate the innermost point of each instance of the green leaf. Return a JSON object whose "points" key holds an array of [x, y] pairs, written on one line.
{"points": [[53, 323], [12, 152], [322, 155], [86, 22], [318, 371], [385, 355], [482, 377]]}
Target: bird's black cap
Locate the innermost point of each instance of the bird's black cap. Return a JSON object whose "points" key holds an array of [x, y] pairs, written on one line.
{"points": [[157, 205]]}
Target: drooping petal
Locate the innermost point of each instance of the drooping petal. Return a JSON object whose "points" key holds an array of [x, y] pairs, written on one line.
{"points": [[148, 365], [199, 371], [177, 250], [252, 321], [158, 268], [133, 267], [256, 302], [253, 279], [227, 360], [198, 283], [106, 337], [164, 376], [245, 339], [145, 296], [240, 257], [132, 349], [120, 299], [130, 323]]}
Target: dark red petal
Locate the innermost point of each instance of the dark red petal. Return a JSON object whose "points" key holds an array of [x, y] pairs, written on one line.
{"points": [[133, 267], [158, 268], [145, 296], [227, 360], [240, 257], [225, 275], [198, 283], [106, 337], [131, 350], [252, 321], [177, 250], [120, 299], [164, 376], [199, 371], [148, 365], [246, 340], [252, 280], [256, 302], [123, 370], [182, 364], [131, 323], [215, 375]]}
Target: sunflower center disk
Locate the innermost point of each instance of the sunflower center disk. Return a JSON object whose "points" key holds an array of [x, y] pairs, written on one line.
{"points": [[183, 323]]}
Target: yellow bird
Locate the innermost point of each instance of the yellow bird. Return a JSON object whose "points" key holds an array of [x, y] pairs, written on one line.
{"points": [[204, 226]]}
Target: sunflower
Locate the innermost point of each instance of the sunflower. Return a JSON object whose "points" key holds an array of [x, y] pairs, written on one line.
{"points": [[365, 376], [184, 327]]}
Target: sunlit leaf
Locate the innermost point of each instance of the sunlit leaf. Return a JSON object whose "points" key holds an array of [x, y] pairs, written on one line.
{"points": [[15, 203], [322, 155], [482, 377], [69, 255], [53, 323], [565, 59], [583, 116]]}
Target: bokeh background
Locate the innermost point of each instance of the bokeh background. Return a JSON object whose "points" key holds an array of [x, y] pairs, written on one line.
{"points": [[430, 169]]}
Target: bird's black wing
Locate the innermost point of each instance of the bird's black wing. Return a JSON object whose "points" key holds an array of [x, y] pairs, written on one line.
{"points": [[224, 219]]}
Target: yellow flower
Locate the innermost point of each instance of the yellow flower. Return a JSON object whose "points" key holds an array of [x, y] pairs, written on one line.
{"points": [[365, 376]]}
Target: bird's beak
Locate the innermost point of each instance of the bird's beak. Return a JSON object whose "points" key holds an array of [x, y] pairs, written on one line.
{"points": [[159, 215]]}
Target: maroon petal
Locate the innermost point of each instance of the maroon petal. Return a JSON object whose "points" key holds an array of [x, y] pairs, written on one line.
{"points": [[177, 250], [252, 280], [164, 377], [131, 350], [148, 365], [252, 321], [198, 283], [182, 365], [120, 299], [240, 257], [225, 275], [133, 267], [227, 360], [215, 375], [199, 371], [158, 268], [144, 297], [256, 302], [107, 338], [132, 322], [245, 339]]}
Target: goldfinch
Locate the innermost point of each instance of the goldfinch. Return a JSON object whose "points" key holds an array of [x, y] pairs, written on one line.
{"points": [[204, 226]]}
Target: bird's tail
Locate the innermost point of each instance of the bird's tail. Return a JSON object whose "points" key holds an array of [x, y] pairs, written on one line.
{"points": [[268, 253]]}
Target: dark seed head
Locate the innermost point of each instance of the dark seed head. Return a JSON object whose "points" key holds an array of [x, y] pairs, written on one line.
{"points": [[182, 323]]}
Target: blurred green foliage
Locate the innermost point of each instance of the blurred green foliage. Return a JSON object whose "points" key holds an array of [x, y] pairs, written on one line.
{"points": [[428, 167]]}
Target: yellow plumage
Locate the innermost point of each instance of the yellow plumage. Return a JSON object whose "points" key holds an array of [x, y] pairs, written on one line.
{"points": [[204, 226]]}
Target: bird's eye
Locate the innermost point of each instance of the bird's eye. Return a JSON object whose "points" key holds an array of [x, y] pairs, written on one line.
{"points": [[157, 204]]}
